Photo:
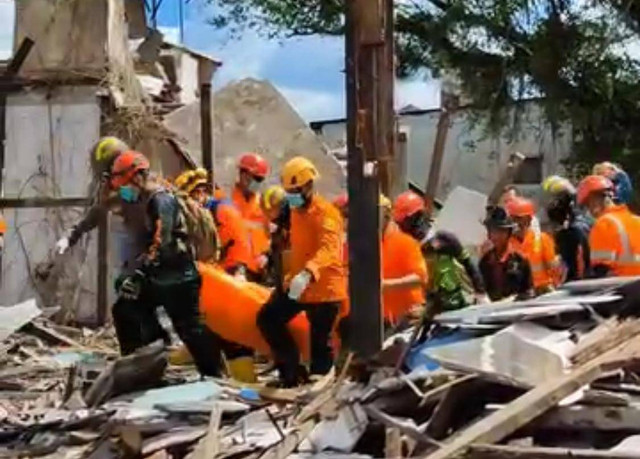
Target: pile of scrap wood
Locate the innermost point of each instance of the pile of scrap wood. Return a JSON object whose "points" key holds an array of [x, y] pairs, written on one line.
{"points": [[550, 378]]}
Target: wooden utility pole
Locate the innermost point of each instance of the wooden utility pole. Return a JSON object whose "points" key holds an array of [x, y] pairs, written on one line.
{"points": [[205, 74], [370, 143], [448, 106]]}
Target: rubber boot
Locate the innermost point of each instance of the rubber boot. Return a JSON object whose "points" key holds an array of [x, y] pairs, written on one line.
{"points": [[180, 356], [242, 369]]}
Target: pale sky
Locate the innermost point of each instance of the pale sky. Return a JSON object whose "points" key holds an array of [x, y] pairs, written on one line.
{"points": [[308, 71]]}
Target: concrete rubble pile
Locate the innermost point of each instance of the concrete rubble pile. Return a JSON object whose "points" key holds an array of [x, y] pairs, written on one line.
{"points": [[552, 377], [252, 115]]}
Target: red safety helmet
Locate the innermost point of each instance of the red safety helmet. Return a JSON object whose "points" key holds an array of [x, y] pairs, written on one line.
{"points": [[406, 205], [593, 184], [341, 201], [126, 166], [255, 164], [520, 207]]}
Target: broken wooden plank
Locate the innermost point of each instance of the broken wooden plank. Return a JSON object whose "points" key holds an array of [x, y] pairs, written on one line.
{"points": [[605, 336], [515, 452], [288, 445], [393, 443], [211, 443], [535, 402]]}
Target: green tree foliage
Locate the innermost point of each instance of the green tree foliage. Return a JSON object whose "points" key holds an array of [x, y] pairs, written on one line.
{"points": [[575, 55]]}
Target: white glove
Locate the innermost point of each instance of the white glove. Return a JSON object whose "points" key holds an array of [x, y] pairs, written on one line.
{"points": [[62, 246], [299, 284]]}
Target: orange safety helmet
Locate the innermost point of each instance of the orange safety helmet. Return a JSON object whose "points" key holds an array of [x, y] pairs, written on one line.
{"points": [[406, 205], [593, 184], [126, 166], [255, 164], [520, 207]]}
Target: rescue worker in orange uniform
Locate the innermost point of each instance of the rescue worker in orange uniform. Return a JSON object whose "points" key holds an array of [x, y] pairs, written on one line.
{"points": [[404, 269], [252, 171], [316, 282], [615, 237], [444, 253], [536, 246]]}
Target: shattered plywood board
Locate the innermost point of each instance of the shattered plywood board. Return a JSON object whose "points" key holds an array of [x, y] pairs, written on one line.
{"points": [[251, 115]]}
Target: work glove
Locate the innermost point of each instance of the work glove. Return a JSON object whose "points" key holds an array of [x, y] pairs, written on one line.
{"points": [[62, 245], [299, 284], [131, 286]]}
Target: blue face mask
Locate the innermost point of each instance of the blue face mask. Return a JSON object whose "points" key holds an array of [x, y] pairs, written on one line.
{"points": [[295, 200], [129, 194]]}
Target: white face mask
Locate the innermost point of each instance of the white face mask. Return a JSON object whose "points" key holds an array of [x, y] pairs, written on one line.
{"points": [[255, 186]]}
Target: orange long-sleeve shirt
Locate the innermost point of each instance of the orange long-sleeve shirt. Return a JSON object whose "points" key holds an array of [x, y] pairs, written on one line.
{"points": [[234, 236], [401, 257], [615, 241], [316, 236], [256, 223]]}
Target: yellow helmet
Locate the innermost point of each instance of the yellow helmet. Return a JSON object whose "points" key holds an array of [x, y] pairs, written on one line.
{"points": [[384, 202], [298, 172], [104, 153], [272, 197], [556, 184], [189, 180]]}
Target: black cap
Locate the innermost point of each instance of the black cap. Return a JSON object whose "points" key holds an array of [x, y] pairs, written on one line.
{"points": [[497, 217]]}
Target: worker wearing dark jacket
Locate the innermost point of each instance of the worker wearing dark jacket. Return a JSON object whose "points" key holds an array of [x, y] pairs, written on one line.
{"points": [[164, 272], [505, 272], [444, 252], [570, 227]]}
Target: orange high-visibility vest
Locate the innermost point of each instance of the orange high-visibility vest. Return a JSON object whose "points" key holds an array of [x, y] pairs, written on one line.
{"points": [[615, 241], [539, 250]]}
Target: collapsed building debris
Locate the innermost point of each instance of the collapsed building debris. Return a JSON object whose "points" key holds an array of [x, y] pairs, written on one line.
{"points": [[65, 393]]}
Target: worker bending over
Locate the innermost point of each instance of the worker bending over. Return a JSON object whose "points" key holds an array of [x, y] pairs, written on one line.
{"points": [[316, 279], [252, 171], [615, 236], [536, 246], [444, 254], [164, 272], [570, 227], [505, 271]]}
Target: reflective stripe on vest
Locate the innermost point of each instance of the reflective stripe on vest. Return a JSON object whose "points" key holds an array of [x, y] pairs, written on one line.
{"points": [[626, 256]]}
